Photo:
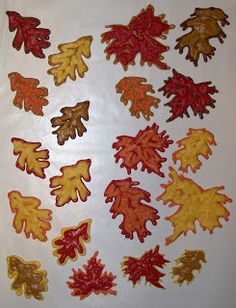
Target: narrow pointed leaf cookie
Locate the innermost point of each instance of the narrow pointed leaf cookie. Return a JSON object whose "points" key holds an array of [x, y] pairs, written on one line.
{"points": [[144, 148], [28, 217], [145, 266], [27, 277], [30, 159], [194, 204], [188, 94], [139, 36], [67, 186], [91, 279], [27, 32], [71, 242], [205, 24], [28, 95], [70, 59], [127, 201], [197, 143], [133, 89], [189, 262], [70, 122]]}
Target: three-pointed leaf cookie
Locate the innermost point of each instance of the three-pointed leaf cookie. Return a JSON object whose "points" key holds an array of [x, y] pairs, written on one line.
{"points": [[67, 186], [127, 201], [28, 217], [133, 89], [71, 242], [30, 158], [28, 95], [27, 32], [69, 60], [27, 277], [194, 204], [70, 122]]}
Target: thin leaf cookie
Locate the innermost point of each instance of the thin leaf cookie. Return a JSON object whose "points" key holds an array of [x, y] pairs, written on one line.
{"points": [[29, 218], [30, 158], [70, 59]]}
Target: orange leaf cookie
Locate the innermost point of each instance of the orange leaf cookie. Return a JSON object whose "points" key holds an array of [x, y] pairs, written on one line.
{"points": [[127, 201], [28, 92], [71, 242], [67, 185], [30, 158], [195, 203], [135, 90], [205, 24], [189, 261], [197, 143], [70, 60], [27, 277]]}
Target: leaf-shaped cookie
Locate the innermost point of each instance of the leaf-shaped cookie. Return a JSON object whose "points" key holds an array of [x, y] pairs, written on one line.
{"points": [[197, 143], [28, 92], [69, 184], [143, 148], [30, 158], [69, 60], [188, 94], [194, 204], [134, 89], [139, 36], [35, 39], [145, 266], [29, 217], [128, 201], [91, 279], [27, 277], [70, 122], [71, 242], [189, 261]]}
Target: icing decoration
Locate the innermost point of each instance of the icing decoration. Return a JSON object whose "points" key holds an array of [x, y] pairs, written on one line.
{"points": [[135, 90], [27, 32], [68, 185], [28, 217], [30, 159], [189, 261], [197, 143], [69, 60], [187, 94], [70, 122], [205, 24], [145, 266], [143, 148], [27, 277], [127, 201], [194, 203], [28, 92], [139, 36], [71, 242], [91, 279]]}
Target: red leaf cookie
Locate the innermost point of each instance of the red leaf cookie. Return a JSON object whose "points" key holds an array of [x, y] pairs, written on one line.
{"points": [[187, 94], [139, 36], [27, 32], [91, 279]]}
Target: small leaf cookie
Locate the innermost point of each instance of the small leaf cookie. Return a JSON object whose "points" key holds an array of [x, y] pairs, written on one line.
{"points": [[30, 158]]}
